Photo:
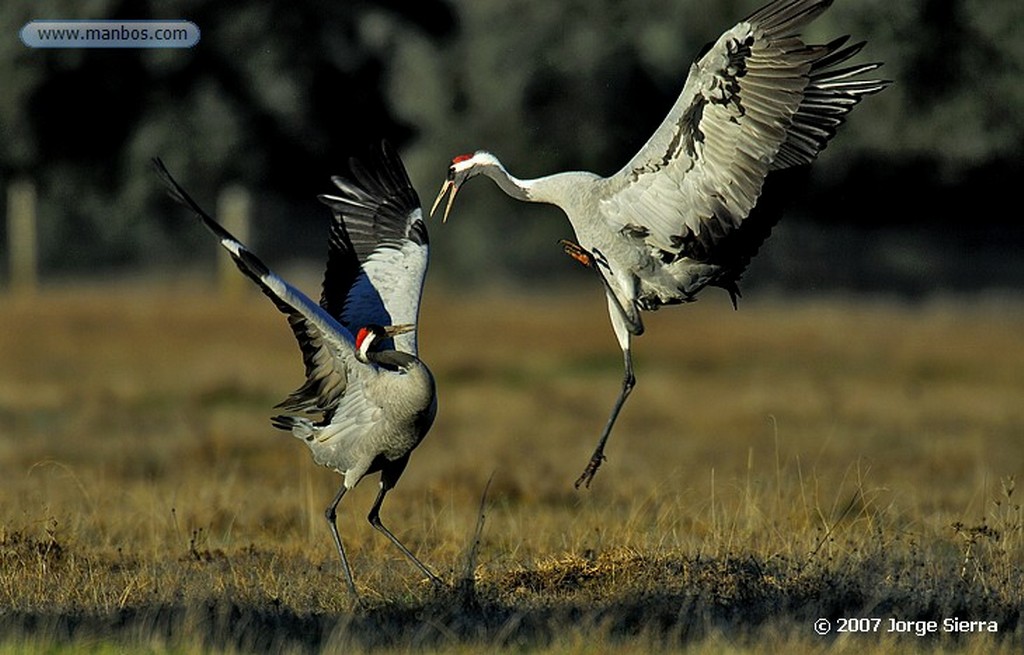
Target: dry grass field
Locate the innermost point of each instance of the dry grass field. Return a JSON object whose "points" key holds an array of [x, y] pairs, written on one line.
{"points": [[791, 461]]}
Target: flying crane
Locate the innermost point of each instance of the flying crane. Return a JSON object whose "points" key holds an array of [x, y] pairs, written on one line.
{"points": [[680, 215]]}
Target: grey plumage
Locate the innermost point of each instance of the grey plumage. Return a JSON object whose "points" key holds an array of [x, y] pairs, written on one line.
{"points": [[367, 400], [683, 213]]}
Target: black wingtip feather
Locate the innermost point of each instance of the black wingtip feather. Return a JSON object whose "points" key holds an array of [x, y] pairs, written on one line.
{"points": [[179, 195], [248, 263]]}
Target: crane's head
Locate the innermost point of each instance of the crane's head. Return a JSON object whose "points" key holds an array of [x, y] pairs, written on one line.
{"points": [[370, 337], [462, 168]]}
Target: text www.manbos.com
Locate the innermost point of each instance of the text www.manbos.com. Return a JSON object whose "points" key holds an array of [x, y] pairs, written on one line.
{"points": [[109, 34]]}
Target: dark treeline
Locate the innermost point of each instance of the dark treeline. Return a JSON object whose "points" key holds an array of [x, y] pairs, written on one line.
{"points": [[277, 97]]}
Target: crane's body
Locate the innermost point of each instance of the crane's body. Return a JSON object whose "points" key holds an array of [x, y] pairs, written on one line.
{"points": [[367, 400], [682, 214], [376, 429]]}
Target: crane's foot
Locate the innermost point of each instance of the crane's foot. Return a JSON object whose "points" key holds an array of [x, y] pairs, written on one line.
{"points": [[579, 253], [591, 470], [436, 587]]}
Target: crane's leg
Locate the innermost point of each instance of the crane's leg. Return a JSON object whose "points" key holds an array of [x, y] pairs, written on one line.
{"points": [[374, 518], [622, 333], [628, 382], [331, 514]]}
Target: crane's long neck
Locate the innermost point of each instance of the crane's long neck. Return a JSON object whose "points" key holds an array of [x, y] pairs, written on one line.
{"points": [[554, 189], [393, 359]]}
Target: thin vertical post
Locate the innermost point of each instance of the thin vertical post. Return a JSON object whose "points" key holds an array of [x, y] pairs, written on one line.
{"points": [[233, 210], [22, 236]]}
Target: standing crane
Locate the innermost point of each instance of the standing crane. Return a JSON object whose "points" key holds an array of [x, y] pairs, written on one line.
{"points": [[367, 400], [680, 215]]}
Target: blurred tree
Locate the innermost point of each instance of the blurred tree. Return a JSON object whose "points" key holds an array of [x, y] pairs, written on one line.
{"points": [[939, 145], [274, 96]]}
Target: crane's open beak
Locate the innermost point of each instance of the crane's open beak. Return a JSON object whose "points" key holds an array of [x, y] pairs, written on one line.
{"points": [[449, 185], [395, 330]]}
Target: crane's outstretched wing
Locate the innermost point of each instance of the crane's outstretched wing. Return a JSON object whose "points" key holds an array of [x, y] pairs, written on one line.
{"points": [[327, 346], [378, 248], [759, 100]]}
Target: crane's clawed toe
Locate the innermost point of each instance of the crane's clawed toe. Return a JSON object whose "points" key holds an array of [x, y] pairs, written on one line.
{"points": [[437, 582], [579, 253], [436, 588], [591, 470]]}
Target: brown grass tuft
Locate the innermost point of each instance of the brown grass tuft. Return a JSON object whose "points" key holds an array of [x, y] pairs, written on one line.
{"points": [[775, 465]]}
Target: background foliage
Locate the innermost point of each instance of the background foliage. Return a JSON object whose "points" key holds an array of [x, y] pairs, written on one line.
{"points": [[277, 97]]}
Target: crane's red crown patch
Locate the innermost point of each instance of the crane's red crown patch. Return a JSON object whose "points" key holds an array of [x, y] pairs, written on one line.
{"points": [[361, 336], [461, 158]]}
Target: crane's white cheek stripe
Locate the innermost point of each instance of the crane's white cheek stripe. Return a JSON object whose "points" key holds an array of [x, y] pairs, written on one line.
{"points": [[364, 347]]}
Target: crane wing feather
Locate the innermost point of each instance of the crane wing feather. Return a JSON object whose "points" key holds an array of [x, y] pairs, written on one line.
{"points": [[759, 100], [378, 248], [328, 350]]}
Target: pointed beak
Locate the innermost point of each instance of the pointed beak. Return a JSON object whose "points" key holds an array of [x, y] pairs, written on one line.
{"points": [[395, 330], [449, 185]]}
